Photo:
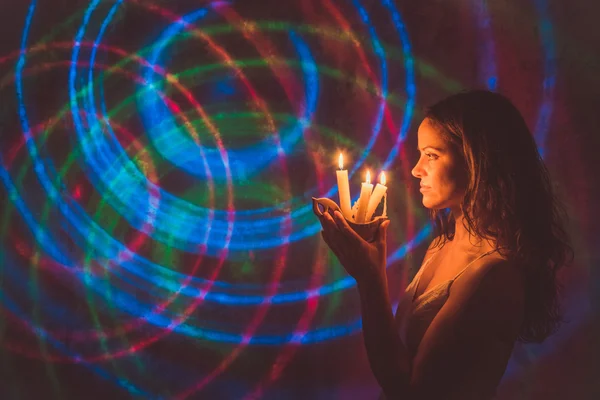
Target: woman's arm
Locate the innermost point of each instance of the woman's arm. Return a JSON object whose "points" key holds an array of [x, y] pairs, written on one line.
{"points": [[366, 262], [388, 357]]}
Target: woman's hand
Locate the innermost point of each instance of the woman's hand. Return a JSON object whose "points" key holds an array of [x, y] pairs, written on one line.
{"points": [[364, 261]]}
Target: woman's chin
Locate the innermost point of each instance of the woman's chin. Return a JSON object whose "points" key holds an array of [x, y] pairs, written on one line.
{"points": [[430, 203]]}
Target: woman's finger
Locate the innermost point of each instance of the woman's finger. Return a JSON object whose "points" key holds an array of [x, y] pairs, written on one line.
{"points": [[382, 231], [321, 220], [330, 223], [325, 223], [381, 240], [330, 241], [343, 226], [330, 232]]}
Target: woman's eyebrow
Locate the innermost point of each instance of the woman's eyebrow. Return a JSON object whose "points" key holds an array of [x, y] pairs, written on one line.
{"points": [[431, 147]]}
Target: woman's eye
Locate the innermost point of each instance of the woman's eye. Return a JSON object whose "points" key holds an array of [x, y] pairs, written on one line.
{"points": [[431, 156]]}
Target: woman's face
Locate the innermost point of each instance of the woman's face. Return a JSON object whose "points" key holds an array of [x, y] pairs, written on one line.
{"points": [[441, 170]]}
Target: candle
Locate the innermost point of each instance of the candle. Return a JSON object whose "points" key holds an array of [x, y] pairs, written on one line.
{"points": [[375, 199], [354, 210], [363, 200], [343, 188]]}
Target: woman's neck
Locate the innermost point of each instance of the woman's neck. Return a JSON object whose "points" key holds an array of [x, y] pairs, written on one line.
{"points": [[464, 240]]}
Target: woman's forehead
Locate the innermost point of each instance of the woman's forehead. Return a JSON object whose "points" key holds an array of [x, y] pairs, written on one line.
{"points": [[430, 135]]}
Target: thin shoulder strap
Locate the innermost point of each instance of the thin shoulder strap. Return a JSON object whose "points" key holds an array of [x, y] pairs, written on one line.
{"points": [[424, 265], [415, 282], [469, 264]]}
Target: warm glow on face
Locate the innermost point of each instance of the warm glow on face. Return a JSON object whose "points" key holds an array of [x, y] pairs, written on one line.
{"points": [[368, 177], [382, 178], [443, 176], [341, 161]]}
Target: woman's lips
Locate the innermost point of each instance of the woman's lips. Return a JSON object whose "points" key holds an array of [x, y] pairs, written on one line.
{"points": [[425, 188]]}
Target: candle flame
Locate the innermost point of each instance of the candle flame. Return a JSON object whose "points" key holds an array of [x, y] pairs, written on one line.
{"points": [[382, 178], [341, 161], [368, 177]]}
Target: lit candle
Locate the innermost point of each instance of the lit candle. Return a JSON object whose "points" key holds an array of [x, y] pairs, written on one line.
{"points": [[363, 200], [378, 194], [343, 188]]}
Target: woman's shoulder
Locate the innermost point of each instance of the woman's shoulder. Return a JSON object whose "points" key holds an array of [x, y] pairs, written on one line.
{"points": [[494, 268], [496, 286]]}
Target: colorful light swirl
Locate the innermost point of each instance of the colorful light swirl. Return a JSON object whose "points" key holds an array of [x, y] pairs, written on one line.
{"points": [[168, 196]]}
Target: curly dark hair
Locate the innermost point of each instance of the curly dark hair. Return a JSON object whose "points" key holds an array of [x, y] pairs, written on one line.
{"points": [[509, 198]]}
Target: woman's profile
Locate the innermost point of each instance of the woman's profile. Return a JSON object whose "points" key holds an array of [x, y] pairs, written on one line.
{"points": [[488, 278]]}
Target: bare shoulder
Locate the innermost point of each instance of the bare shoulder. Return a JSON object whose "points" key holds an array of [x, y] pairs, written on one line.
{"points": [[492, 290], [493, 275]]}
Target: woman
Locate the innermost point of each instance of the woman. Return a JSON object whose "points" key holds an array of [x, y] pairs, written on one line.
{"points": [[488, 277]]}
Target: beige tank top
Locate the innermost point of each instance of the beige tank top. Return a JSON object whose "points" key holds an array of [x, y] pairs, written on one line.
{"points": [[415, 313]]}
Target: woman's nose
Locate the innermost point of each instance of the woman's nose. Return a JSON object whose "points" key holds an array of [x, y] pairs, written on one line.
{"points": [[417, 170]]}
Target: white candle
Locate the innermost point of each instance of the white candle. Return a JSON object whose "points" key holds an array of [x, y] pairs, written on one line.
{"points": [[343, 188], [363, 200], [376, 197], [354, 210]]}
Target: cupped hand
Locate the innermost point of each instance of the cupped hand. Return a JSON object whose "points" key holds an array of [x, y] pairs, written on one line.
{"points": [[364, 261]]}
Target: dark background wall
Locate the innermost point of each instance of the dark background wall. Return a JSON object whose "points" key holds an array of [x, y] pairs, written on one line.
{"points": [[158, 160]]}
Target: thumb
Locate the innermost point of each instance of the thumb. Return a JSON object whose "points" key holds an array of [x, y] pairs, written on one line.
{"points": [[382, 233]]}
